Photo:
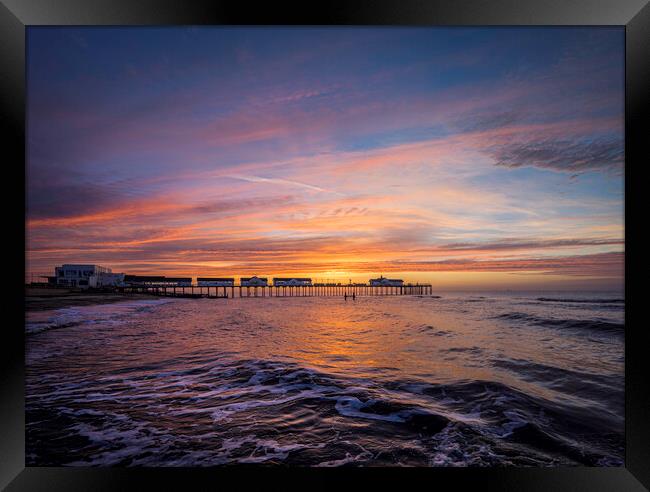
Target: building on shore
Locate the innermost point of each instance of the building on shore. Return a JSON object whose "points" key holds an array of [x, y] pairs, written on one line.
{"points": [[254, 281], [390, 282], [104, 280], [215, 282], [284, 282], [77, 275], [156, 281]]}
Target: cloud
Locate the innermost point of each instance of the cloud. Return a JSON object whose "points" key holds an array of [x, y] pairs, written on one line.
{"points": [[571, 156], [515, 244], [488, 120], [159, 209], [594, 265], [68, 199], [598, 264]]}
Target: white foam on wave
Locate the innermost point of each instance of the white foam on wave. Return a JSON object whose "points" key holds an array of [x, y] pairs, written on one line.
{"points": [[273, 450], [264, 450], [351, 406], [224, 412], [452, 449], [349, 458], [516, 420]]}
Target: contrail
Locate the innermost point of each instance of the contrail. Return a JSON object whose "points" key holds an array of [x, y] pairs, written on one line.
{"points": [[287, 182]]}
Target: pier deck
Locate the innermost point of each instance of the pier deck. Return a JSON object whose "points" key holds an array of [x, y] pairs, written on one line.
{"points": [[282, 291]]}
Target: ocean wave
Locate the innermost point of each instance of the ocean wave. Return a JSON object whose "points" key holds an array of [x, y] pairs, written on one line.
{"points": [[258, 411], [38, 327], [434, 331], [104, 314], [586, 301], [569, 384], [573, 324], [192, 385]]}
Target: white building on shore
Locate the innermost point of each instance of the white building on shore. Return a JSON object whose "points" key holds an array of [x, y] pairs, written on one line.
{"points": [[106, 280], [77, 275]]}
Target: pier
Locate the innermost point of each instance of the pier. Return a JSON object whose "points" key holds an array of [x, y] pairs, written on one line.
{"points": [[91, 277], [239, 291]]}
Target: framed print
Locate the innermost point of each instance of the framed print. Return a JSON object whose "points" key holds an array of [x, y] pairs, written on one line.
{"points": [[385, 241]]}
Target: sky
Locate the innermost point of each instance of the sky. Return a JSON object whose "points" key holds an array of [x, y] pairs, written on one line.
{"points": [[469, 158]]}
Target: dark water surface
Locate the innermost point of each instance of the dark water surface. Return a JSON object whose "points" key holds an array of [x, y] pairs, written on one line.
{"points": [[526, 379]]}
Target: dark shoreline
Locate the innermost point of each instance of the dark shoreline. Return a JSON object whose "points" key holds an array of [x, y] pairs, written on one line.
{"points": [[47, 299]]}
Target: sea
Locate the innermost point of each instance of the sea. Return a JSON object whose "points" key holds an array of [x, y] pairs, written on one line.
{"points": [[455, 379]]}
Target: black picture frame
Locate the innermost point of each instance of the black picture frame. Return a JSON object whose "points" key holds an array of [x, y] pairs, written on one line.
{"points": [[16, 15]]}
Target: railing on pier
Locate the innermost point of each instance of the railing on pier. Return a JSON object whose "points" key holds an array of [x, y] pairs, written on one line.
{"points": [[281, 291]]}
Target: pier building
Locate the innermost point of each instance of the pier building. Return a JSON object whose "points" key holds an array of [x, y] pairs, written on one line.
{"points": [[388, 282], [215, 282], [254, 281], [285, 282]]}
